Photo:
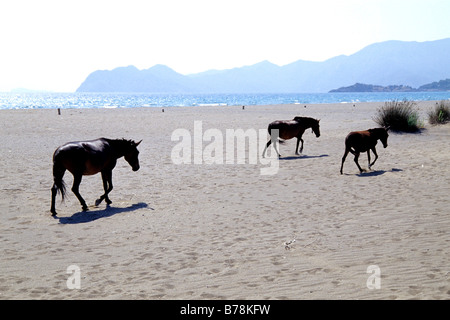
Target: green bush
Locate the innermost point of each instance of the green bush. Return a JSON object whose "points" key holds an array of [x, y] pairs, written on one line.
{"points": [[440, 114], [399, 116]]}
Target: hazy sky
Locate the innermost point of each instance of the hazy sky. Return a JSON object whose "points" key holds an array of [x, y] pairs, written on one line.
{"points": [[54, 45]]}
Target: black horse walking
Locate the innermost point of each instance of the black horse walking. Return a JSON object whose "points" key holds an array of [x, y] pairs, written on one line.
{"points": [[89, 158], [362, 141], [288, 129]]}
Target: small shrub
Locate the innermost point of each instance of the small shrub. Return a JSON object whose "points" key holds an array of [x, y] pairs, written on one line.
{"points": [[399, 116], [440, 114]]}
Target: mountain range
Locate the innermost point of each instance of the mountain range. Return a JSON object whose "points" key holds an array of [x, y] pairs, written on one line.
{"points": [[386, 63]]}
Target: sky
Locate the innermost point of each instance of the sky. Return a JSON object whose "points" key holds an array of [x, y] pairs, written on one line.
{"points": [[54, 45]]}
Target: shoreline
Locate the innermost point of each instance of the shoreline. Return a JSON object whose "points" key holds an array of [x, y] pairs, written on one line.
{"points": [[129, 100], [199, 231]]}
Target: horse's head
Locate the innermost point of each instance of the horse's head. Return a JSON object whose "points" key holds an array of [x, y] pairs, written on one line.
{"points": [[131, 155], [315, 127], [382, 134], [307, 122]]}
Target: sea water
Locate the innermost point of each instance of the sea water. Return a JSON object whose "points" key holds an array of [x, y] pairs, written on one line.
{"points": [[133, 100]]}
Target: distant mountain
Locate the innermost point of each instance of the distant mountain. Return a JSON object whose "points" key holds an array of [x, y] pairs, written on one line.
{"points": [[397, 63], [129, 79]]}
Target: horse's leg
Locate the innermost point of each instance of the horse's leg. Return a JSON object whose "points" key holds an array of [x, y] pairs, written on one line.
{"points": [[343, 158], [267, 145], [107, 186], [356, 161], [376, 157], [298, 142], [75, 190], [368, 157], [110, 187], [275, 147]]}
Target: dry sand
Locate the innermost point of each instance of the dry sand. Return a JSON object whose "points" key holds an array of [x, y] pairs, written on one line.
{"points": [[219, 231]]}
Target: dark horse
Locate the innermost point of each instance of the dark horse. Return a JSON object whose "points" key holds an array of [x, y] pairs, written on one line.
{"points": [[88, 158], [288, 129], [362, 141]]}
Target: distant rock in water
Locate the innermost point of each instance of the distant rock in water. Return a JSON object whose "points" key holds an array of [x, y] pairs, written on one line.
{"points": [[360, 87], [443, 85]]}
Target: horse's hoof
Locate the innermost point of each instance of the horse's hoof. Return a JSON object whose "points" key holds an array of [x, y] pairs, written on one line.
{"points": [[98, 201], [85, 208]]}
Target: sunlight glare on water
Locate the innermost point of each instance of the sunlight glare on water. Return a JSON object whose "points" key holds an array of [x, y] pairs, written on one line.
{"points": [[132, 100]]}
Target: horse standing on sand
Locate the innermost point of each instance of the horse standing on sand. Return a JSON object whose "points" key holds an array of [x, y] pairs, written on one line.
{"points": [[89, 158], [288, 129], [362, 141]]}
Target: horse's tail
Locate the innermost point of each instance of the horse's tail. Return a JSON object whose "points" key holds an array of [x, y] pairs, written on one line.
{"points": [[58, 174]]}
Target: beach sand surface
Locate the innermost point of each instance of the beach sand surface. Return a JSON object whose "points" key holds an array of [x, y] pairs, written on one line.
{"points": [[224, 231]]}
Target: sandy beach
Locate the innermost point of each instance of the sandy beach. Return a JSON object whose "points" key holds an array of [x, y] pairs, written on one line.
{"points": [[225, 231]]}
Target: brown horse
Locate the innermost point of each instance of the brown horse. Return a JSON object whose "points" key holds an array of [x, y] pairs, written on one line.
{"points": [[288, 129], [362, 141], [89, 158]]}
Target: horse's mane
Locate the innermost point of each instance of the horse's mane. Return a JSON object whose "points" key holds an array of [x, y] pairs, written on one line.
{"points": [[123, 140], [122, 143], [304, 119], [377, 130], [126, 140]]}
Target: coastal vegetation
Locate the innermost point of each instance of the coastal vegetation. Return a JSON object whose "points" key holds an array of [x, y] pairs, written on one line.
{"points": [[400, 116], [440, 114]]}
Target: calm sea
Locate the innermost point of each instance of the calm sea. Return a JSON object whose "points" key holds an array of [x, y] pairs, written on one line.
{"points": [[130, 100]]}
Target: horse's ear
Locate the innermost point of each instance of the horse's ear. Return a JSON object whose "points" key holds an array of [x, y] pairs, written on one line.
{"points": [[137, 143]]}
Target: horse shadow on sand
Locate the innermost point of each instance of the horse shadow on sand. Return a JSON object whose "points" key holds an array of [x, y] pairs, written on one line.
{"points": [[373, 173], [302, 156], [92, 215]]}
